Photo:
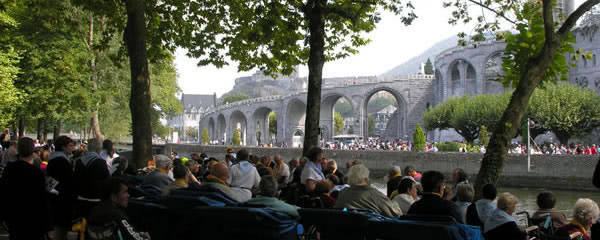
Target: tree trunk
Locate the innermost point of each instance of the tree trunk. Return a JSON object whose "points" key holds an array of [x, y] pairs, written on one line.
{"points": [[493, 160], [57, 129], [14, 128], [45, 133], [95, 126], [40, 129], [140, 101], [316, 59], [94, 123], [21, 126]]}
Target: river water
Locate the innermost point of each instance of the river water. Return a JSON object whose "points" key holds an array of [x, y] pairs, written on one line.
{"points": [[565, 200]]}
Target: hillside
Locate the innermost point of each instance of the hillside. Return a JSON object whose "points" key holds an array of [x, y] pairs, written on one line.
{"points": [[411, 66]]}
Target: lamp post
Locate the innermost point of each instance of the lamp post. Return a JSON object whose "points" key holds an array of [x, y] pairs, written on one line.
{"points": [[529, 122]]}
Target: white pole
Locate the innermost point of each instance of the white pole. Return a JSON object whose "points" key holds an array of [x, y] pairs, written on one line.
{"points": [[528, 149]]}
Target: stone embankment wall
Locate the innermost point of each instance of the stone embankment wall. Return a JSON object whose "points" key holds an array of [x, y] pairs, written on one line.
{"points": [[548, 171]]}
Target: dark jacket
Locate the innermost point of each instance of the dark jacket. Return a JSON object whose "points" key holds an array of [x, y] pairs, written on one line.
{"points": [[61, 170], [509, 230], [107, 220], [568, 229], [90, 171], [431, 204], [392, 185], [473, 216], [25, 201], [596, 178]]}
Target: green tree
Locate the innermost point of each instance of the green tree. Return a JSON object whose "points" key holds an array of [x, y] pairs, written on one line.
{"points": [[429, 67], [566, 110], [277, 35], [344, 108], [235, 98], [9, 59], [191, 132], [380, 102], [419, 139], [273, 124], [338, 123], [205, 137], [483, 136], [236, 137], [371, 125], [535, 55]]}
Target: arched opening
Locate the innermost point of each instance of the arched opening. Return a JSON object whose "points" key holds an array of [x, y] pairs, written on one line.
{"points": [[594, 59], [438, 87], [385, 112], [298, 138], [221, 129], [211, 128], [471, 80], [238, 121], [336, 114], [454, 80], [265, 121], [493, 69], [296, 116]]}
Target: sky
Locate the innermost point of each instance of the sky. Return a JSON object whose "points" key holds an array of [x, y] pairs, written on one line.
{"points": [[392, 44]]}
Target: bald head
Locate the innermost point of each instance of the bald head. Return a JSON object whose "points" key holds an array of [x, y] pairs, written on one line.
{"points": [[220, 171], [277, 159]]}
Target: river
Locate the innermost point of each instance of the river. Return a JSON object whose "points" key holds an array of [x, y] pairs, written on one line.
{"points": [[565, 200]]}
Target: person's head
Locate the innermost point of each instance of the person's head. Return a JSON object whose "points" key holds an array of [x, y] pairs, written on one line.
{"points": [[6, 131], [107, 145], [242, 154], [25, 148], [586, 212], [294, 163], [465, 192], [393, 171], [228, 157], [211, 162], [45, 155], [268, 186], [277, 159], [94, 145], [115, 190], [409, 170], [507, 202], [266, 160], [180, 172], [356, 162], [64, 144], [220, 171], [432, 182], [193, 166], [407, 186], [323, 186], [358, 175], [163, 162], [459, 175], [37, 151], [303, 161], [546, 200], [121, 164], [203, 156], [331, 165], [324, 162], [229, 150], [489, 192], [348, 164], [177, 162], [315, 154]]}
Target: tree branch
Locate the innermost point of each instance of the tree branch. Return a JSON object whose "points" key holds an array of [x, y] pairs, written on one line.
{"points": [[548, 19], [572, 19], [494, 11]]}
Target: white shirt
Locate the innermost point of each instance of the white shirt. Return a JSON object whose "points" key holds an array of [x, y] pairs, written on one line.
{"points": [[243, 177], [310, 173]]}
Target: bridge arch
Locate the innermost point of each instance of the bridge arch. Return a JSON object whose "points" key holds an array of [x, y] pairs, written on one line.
{"points": [[392, 131], [462, 78], [211, 128], [221, 128], [296, 116], [239, 121], [260, 118], [327, 119]]}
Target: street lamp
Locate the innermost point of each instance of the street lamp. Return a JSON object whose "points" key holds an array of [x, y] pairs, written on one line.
{"points": [[529, 123]]}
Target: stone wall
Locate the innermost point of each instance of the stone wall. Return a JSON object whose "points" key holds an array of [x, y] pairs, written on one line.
{"points": [[553, 172]]}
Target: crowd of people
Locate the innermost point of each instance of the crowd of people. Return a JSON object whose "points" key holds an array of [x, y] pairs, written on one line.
{"points": [[93, 182]]}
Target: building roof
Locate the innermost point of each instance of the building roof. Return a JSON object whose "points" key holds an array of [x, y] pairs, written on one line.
{"points": [[195, 101]]}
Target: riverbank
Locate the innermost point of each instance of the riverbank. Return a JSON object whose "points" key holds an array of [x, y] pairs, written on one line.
{"points": [[561, 172]]}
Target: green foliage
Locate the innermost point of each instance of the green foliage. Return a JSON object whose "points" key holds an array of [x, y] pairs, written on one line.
{"points": [[236, 137], [429, 67], [205, 137], [371, 125], [448, 146], [566, 110], [338, 123], [235, 98], [380, 102], [419, 139], [344, 108], [272, 123], [483, 136], [191, 132], [467, 114]]}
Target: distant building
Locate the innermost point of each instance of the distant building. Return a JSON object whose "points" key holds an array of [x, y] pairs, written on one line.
{"points": [[382, 116], [193, 106]]}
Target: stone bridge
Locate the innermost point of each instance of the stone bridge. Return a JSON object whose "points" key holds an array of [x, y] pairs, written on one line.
{"points": [[251, 117]]}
